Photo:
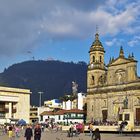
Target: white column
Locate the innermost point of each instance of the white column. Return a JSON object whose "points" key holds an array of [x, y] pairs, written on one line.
{"points": [[63, 105], [10, 110], [68, 105], [80, 101]]}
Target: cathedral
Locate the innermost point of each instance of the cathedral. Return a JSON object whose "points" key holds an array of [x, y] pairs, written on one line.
{"points": [[112, 88]]}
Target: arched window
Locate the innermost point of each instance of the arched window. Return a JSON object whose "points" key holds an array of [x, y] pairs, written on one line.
{"points": [[100, 58], [92, 77], [92, 108], [93, 58], [92, 80]]}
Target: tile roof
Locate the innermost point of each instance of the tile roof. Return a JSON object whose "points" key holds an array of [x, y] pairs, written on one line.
{"points": [[62, 112]]}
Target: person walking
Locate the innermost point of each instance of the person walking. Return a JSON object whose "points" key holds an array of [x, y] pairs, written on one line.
{"points": [[10, 133], [90, 129], [17, 131], [28, 133], [37, 132], [96, 134]]}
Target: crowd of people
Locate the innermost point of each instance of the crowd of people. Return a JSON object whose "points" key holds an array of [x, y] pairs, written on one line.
{"points": [[75, 129], [96, 122], [16, 131], [34, 131]]}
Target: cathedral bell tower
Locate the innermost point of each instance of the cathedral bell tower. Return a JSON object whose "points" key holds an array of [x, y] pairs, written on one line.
{"points": [[96, 68]]}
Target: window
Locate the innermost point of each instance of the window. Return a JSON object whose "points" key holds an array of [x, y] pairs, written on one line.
{"points": [[105, 104], [93, 58], [92, 80], [41, 118], [59, 117], [120, 117], [126, 117], [100, 58], [2, 115], [92, 107]]}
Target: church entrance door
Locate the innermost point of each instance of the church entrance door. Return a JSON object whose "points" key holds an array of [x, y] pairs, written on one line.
{"points": [[104, 113], [138, 114]]}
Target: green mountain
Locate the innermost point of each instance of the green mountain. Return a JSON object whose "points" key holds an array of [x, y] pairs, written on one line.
{"points": [[54, 78]]}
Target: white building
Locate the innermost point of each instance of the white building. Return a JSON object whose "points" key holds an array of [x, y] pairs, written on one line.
{"points": [[64, 116], [81, 100], [14, 104], [75, 104], [72, 111], [54, 103]]}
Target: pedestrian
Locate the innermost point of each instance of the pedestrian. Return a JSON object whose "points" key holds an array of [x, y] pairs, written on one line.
{"points": [[90, 128], [96, 134], [17, 131], [37, 132], [10, 133], [28, 133]]}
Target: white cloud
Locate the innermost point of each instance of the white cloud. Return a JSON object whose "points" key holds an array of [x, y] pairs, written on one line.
{"points": [[135, 41], [25, 23], [115, 41], [111, 42]]}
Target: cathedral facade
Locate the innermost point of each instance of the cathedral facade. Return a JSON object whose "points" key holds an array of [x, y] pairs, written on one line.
{"points": [[111, 88]]}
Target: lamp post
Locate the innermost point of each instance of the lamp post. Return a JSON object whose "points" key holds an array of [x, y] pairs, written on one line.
{"points": [[40, 93]]}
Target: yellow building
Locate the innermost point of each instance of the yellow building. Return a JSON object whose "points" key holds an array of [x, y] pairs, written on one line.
{"points": [[111, 89], [34, 117], [14, 104]]}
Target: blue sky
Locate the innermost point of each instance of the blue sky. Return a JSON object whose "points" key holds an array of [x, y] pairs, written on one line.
{"points": [[64, 30]]}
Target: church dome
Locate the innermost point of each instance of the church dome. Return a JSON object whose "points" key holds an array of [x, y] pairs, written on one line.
{"points": [[97, 45]]}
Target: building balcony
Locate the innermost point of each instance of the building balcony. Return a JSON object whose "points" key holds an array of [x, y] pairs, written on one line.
{"points": [[33, 117], [33, 111], [2, 115], [2, 109], [6, 110], [14, 110], [33, 114]]}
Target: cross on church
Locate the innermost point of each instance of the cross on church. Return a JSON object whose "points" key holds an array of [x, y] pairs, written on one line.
{"points": [[97, 28]]}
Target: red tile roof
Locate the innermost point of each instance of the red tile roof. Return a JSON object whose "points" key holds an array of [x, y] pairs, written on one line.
{"points": [[62, 112]]}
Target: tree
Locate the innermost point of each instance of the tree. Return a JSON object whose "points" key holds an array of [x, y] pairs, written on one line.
{"points": [[65, 98]]}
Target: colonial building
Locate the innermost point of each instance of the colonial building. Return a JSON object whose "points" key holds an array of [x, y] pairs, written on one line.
{"points": [[114, 88], [71, 110], [14, 104], [64, 116]]}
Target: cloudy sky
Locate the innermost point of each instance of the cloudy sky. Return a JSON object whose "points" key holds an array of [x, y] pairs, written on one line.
{"points": [[64, 29]]}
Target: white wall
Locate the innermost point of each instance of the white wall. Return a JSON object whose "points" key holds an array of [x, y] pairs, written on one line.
{"points": [[80, 101]]}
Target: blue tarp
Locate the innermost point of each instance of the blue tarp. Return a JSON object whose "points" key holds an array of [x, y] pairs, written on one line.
{"points": [[21, 122]]}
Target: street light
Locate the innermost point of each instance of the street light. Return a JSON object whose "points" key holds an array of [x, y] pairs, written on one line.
{"points": [[40, 98]]}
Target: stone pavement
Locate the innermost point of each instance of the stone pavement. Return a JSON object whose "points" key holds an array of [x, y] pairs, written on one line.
{"points": [[63, 136]]}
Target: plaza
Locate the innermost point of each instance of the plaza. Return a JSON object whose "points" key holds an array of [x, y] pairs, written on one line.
{"points": [[83, 136]]}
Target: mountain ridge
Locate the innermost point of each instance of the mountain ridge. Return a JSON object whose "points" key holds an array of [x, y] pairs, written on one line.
{"points": [[52, 77]]}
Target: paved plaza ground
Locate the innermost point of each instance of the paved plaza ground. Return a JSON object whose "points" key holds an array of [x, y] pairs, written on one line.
{"points": [[63, 136]]}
